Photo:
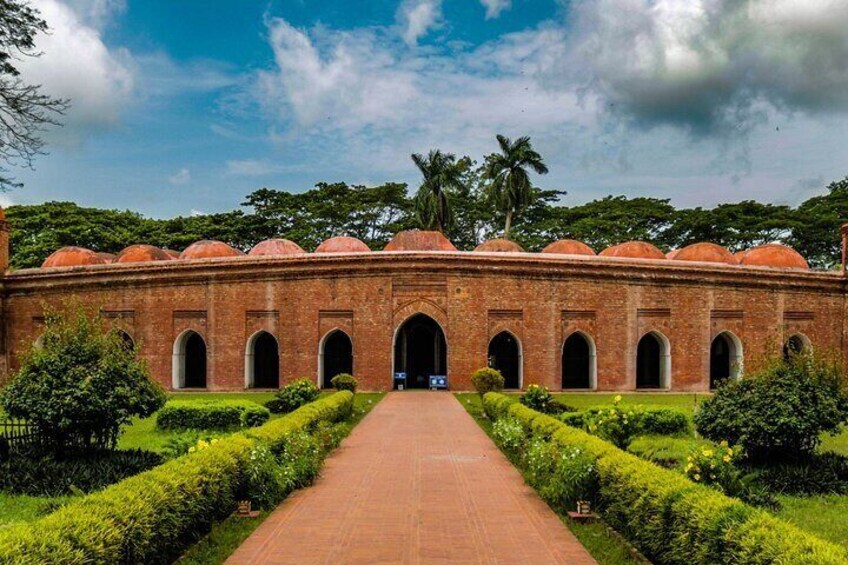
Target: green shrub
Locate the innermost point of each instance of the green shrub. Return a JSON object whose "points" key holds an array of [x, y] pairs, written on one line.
{"points": [[40, 473], [538, 398], [641, 420], [344, 381], [668, 517], [562, 474], [153, 516], [211, 415], [509, 435], [574, 419], [265, 481], [293, 396], [778, 414], [487, 380], [82, 384], [825, 473], [615, 424], [663, 421], [666, 451]]}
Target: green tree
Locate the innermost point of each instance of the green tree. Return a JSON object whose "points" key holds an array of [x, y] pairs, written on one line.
{"points": [[509, 186], [815, 233], [24, 109], [81, 383], [442, 174]]}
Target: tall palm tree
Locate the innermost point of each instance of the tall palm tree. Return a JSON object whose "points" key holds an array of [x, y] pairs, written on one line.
{"points": [[509, 185], [442, 173]]}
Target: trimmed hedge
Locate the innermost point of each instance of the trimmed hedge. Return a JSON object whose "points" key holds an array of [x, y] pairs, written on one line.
{"points": [[211, 415], [653, 420], [152, 517], [671, 519]]}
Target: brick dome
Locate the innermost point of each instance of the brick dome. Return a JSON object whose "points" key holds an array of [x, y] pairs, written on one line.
{"points": [[72, 257], [672, 254], [107, 257], [173, 254], [275, 247], [705, 252], [419, 240], [633, 250], [140, 253], [342, 244], [774, 255], [207, 249], [499, 246], [569, 247]]}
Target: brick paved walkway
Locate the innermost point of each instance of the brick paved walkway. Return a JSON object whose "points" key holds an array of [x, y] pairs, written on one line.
{"points": [[416, 482]]}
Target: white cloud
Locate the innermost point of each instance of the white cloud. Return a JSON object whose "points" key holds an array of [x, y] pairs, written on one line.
{"points": [[77, 65], [252, 168], [495, 7], [417, 18], [193, 212], [183, 176]]}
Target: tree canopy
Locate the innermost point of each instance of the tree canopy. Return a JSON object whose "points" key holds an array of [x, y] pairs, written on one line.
{"points": [[374, 214]]}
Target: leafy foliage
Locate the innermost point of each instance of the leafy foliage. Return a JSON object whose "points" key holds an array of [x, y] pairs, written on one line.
{"points": [[211, 415], [442, 174], [487, 380], [344, 381], [779, 414], [293, 396], [81, 384], [538, 398]]}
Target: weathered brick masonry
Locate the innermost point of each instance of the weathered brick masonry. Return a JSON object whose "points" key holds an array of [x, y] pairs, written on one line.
{"points": [[540, 299]]}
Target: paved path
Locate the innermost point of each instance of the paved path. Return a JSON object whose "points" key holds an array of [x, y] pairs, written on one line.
{"points": [[416, 482]]}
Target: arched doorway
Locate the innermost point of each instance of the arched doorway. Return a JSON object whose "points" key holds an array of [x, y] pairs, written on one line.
{"points": [[189, 367], [725, 359], [652, 361], [420, 350], [795, 345], [336, 356], [505, 356], [578, 362], [262, 361], [126, 339]]}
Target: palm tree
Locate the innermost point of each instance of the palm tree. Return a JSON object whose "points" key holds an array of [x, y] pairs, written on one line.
{"points": [[442, 173], [510, 188]]}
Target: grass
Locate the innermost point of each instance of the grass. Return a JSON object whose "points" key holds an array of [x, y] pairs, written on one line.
{"points": [[16, 508], [825, 516], [595, 536], [226, 536], [683, 401]]}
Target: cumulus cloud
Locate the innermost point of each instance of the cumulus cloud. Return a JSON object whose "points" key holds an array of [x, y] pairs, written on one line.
{"points": [[183, 176], [495, 7], [709, 65], [418, 17], [77, 65]]}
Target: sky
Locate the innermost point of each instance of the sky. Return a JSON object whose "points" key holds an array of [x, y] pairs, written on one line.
{"points": [[185, 107]]}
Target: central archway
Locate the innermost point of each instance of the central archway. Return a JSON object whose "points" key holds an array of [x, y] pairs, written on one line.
{"points": [[505, 356], [262, 361], [420, 350], [653, 360], [336, 356], [189, 361]]}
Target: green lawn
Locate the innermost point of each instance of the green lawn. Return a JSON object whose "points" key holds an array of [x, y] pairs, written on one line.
{"points": [[825, 516], [605, 548], [15, 508], [226, 536], [583, 400]]}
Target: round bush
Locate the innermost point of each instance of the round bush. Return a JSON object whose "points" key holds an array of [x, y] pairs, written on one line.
{"points": [[344, 381], [211, 415], [779, 414], [538, 398], [487, 380], [293, 396]]}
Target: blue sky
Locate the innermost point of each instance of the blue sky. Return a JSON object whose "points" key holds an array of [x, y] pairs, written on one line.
{"points": [[186, 107]]}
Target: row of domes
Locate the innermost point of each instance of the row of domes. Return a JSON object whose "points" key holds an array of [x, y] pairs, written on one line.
{"points": [[769, 255]]}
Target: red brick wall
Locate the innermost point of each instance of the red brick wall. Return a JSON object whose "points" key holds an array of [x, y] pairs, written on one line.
{"points": [[539, 299]]}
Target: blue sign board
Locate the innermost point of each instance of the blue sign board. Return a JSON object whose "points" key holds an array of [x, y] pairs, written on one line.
{"points": [[439, 382]]}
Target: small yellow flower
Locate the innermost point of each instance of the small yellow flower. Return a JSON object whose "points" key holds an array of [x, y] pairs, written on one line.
{"points": [[708, 452], [617, 398], [697, 477], [726, 458], [192, 449]]}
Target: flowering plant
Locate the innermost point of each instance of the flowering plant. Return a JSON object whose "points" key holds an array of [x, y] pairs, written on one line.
{"points": [[712, 465], [538, 398], [617, 424]]}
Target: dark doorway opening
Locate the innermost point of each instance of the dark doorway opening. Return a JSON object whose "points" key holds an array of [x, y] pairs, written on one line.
{"points": [[420, 351], [126, 339], [649, 362], [576, 362], [195, 361], [266, 361], [721, 361], [505, 356], [337, 357], [795, 345]]}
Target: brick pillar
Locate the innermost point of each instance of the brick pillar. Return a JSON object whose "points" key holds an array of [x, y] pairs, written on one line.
{"points": [[4, 243], [843, 231]]}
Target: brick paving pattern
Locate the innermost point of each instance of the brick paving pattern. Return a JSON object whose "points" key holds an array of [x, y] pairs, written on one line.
{"points": [[416, 482]]}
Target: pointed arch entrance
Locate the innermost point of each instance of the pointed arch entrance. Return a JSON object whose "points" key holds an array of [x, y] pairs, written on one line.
{"points": [[336, 356], [725, 359], [189, 361], [505, 356], [653, 360], [262, 361], [420, 350], [578, 362]]}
